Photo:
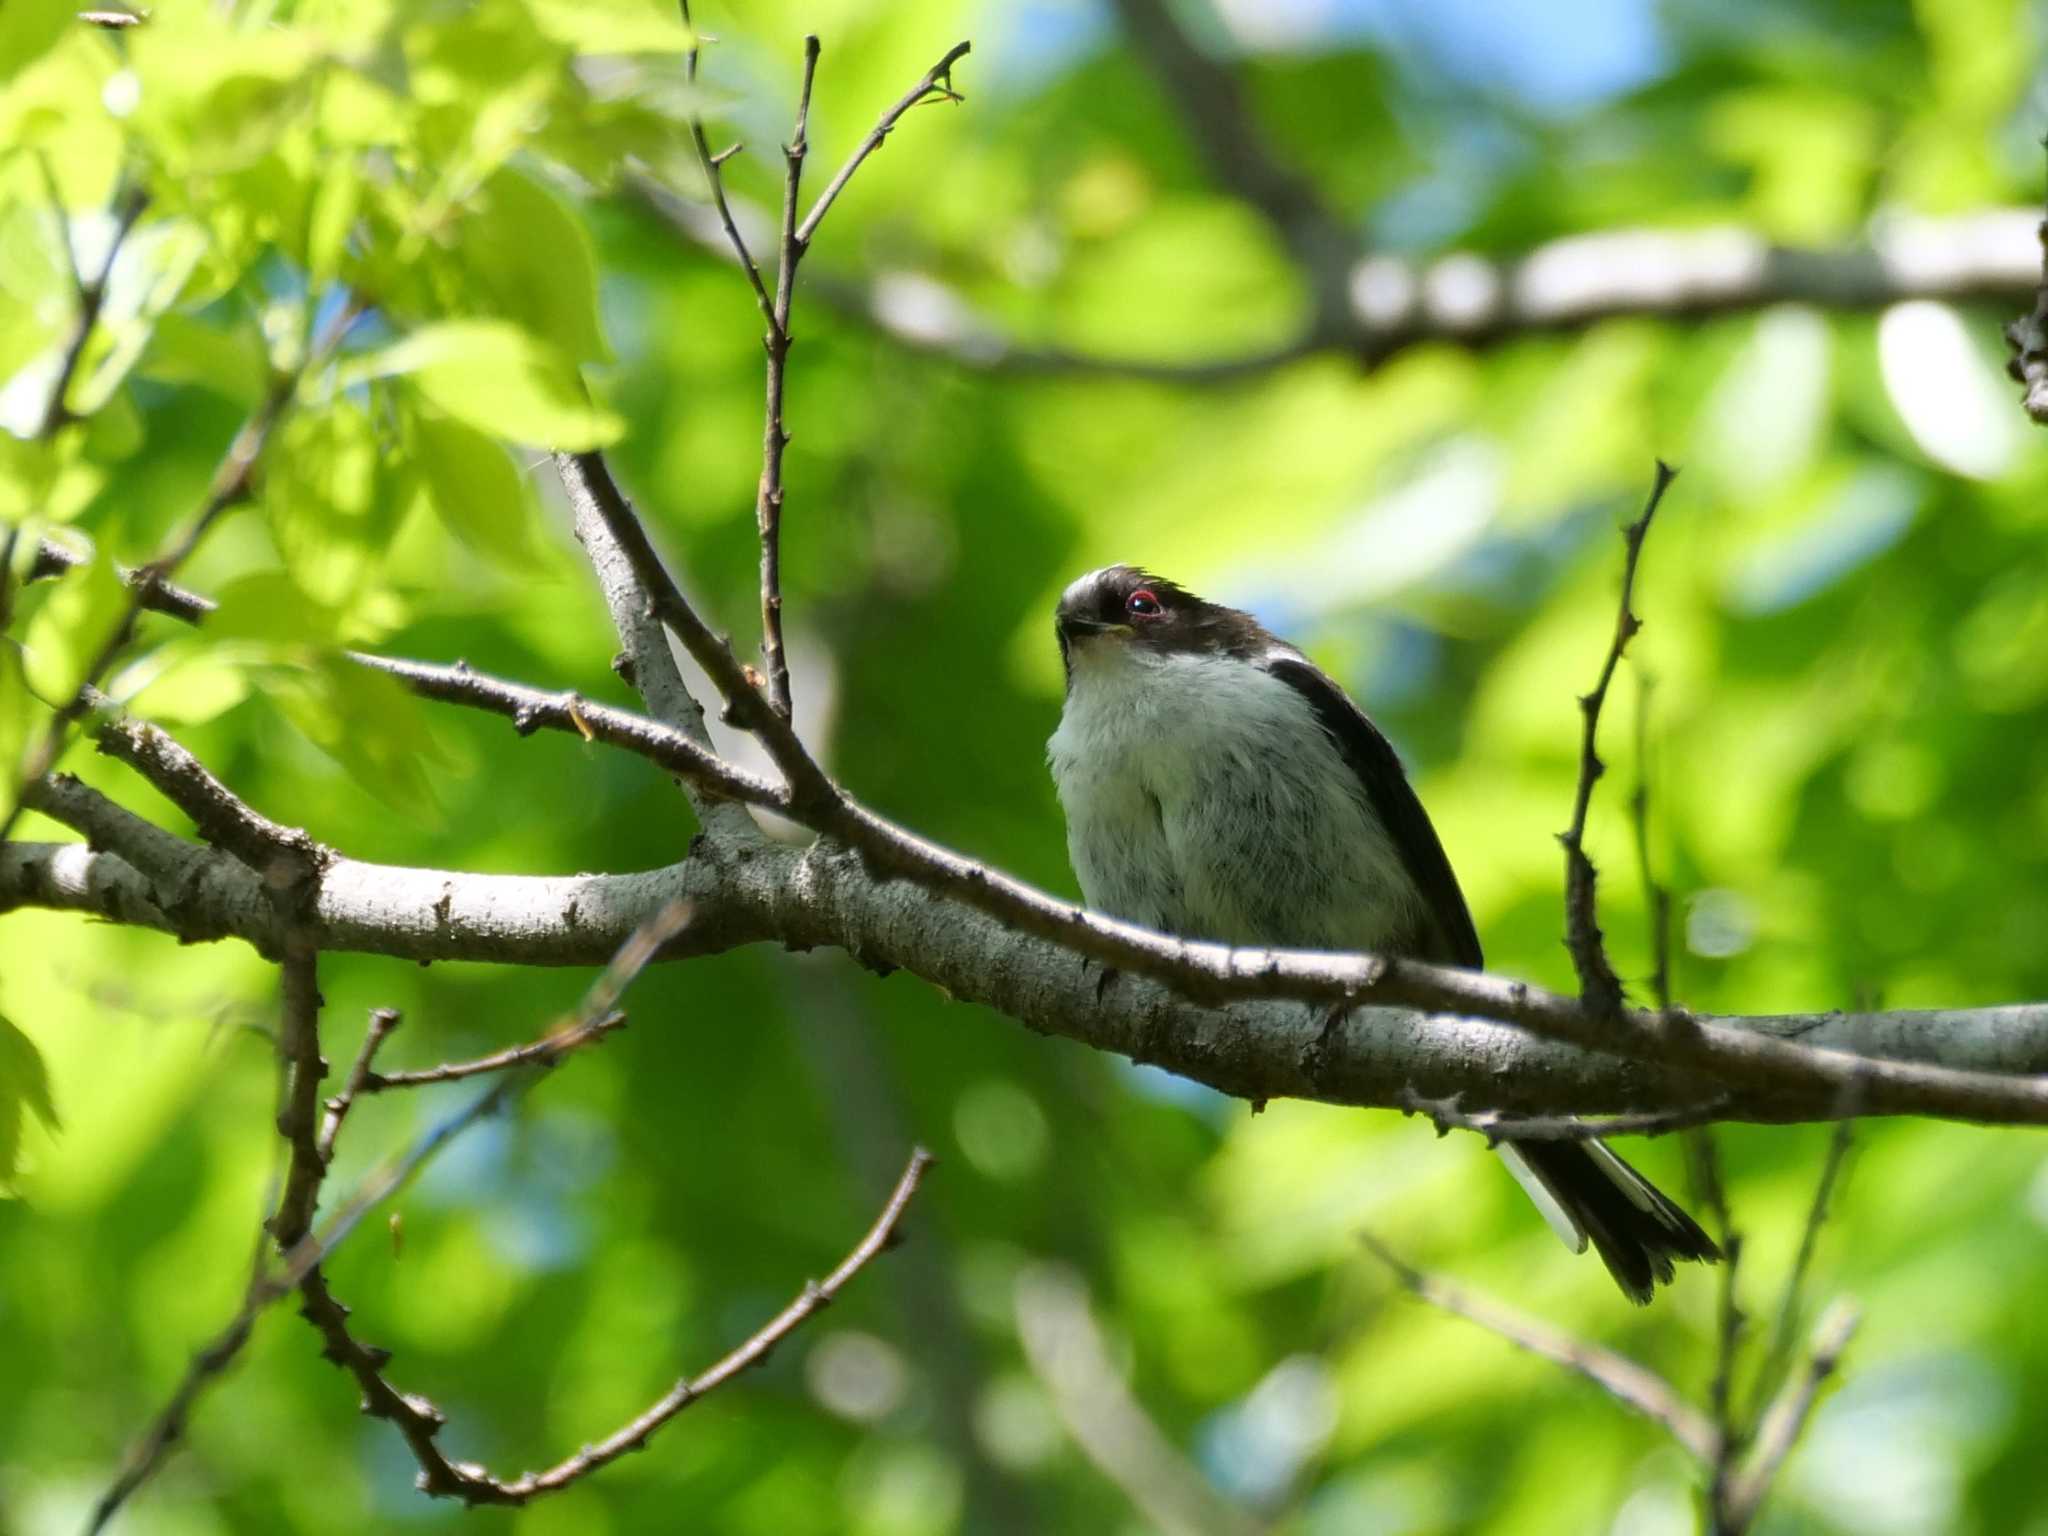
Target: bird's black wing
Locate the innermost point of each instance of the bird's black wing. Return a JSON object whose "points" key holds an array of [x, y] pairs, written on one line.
{"points": [[1387, 791]]}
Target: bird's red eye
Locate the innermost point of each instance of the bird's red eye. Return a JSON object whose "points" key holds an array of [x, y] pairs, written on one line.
{"points": [[1144, 603]]}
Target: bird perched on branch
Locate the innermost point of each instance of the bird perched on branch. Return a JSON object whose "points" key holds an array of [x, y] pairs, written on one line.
{"points": [[1218, 785]]}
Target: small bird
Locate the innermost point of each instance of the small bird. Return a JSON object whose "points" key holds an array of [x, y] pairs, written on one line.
{"points": [[1218, 785]]}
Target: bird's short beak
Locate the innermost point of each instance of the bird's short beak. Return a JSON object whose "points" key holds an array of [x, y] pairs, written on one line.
{"points": [[1074, 626]]}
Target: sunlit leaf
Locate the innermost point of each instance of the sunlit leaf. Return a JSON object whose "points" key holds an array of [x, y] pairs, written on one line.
{"points": [[530, 258], [477, 490], [24, 1088], [500, 380], [69, 627], [613, 26]]}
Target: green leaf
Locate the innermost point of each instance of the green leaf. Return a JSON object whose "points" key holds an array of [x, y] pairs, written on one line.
{"points": [[477, 491], [530, 256], [216, 97], [500, 380], [29, 29], [270, 606], [613, 26], [69, 627], [187, 682], [331, 507], [24, 1084], [335, 201], [186, 350], [366, 722]]}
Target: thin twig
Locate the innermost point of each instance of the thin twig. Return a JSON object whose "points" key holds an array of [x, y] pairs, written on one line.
{"points": [[416, 1418], [158, 596], [1631, 1384], [382, 1022], [1786, 1418], [91, 292], [544, 1052], [1104, 1418], [232, 481], [420, 1421], [1598, 984], [937, 85], [531, 709], [1777, 1351], [710, 164], [768, 496], [1498, 1127], [279, 854], [1702, 1147]]}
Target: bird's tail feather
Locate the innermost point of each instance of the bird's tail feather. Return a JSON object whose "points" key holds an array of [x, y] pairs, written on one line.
{"points": [[1587, 1193]]}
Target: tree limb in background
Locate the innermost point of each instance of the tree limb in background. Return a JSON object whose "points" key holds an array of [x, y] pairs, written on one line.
{"points": [[1106, 1422], [1466, 299], [1633, 1385]]}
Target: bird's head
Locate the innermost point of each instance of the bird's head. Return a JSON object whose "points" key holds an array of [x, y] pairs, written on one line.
{"points": [[1121, 610]]}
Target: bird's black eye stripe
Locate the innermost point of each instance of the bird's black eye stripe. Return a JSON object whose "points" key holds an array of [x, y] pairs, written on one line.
{"points": [[1143, 602]]}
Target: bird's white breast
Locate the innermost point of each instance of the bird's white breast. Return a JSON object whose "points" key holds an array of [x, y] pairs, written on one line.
{"points": [[1204, 798]]}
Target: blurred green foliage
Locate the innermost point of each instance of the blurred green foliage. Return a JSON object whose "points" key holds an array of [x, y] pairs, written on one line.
{"points": [[1847, 629]]}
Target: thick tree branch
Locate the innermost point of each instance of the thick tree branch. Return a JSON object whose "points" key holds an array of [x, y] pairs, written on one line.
{"points": [[1448, 1039], [1209, 100]]}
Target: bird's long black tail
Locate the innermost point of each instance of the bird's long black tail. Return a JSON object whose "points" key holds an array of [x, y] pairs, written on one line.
{"points": [[1637, 1230]]}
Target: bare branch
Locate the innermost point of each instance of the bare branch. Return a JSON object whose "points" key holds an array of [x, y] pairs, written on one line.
{"points": [[1598, 984], [1211, 105], [768, 496], [590, 484], [277, 853], [383, 1021], [1629, 1383], [530, 710], [1479, 301], [937, 85], [544, 1052], [419, 1421], [159, 596], [1105, 1420], [1786, 1418], [1777, 1351], [710, 164], [91, 292], [208, 1364]]}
